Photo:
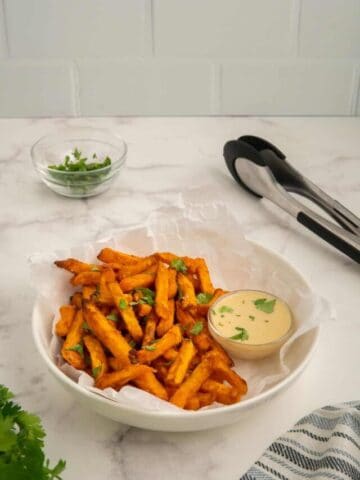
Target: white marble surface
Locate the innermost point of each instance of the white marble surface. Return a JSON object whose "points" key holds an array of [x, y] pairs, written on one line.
{"points": [[170, 155]]}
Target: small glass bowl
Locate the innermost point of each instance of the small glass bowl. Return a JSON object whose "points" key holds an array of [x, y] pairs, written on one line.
{"points": [[249, 351], [52, 150]]}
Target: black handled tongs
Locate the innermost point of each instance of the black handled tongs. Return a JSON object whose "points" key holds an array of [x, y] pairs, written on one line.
{"points": [[262, 169]]}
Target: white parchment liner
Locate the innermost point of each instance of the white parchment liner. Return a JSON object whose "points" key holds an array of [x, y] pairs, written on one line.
{"points": [[193, 230]]}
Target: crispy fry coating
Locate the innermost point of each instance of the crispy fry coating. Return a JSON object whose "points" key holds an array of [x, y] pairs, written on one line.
{"points": [[99, 364], [180, 366], [67, 315], [74, 266], [150, 328], [162, 292], [171, 338], [193, 383], [186, 287], [86, 278], [72, 349], [204, 277], [126, 311], [107, 333], [141, 280], [120, 378], [108, 255], [166, 323]]}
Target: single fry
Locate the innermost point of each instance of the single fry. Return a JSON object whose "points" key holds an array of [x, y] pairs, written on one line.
{"points": [[141, 280], [204, 277], [126, 311], [108, 255], [74, 266], [144, 309], [72, 349], [99, 364], [162, 290], [223, 393], [171, 338], [151, 384], [170, 354], [224, 372], [115, 363], [103, 295], [136, 268], [193, 383], [67, 315], [120, 378], [185, 286], [86, 278], [76, 299], [180, 366], [166, 323], [87, 291], [200, 400], [107, 333], [150, 328], [172, 291]]}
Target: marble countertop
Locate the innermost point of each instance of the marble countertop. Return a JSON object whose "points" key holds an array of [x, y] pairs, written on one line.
{"points": [[170, 155]]}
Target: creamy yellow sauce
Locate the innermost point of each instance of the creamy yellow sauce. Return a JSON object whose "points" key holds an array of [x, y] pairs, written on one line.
{"points": [[251, 317]]}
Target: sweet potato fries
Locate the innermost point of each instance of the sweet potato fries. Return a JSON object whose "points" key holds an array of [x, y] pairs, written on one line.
{"points": [[142, 321]]}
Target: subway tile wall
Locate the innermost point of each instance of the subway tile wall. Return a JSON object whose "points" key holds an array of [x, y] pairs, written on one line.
{"points": [[179, 57]]}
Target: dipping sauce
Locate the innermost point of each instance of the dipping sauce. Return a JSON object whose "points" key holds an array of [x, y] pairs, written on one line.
{"points": [[250, 323]]}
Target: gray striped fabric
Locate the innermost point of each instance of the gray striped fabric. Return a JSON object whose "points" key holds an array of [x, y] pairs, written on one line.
{"points": [[322, 445]]}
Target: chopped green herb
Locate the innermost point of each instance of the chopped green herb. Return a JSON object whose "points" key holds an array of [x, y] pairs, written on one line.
{"points": [[179, 265], [113, 317], [222, 315], [132, 304], [225, 309], [264, 305], [150, 348], [213, 311], [238, 315], [168, 363], [96, 371], [251, 317], [77, 348], [203, 298], [147, 296], [85, 326], [242, 335], [266, 321], [79, 175], [180, 294], [197, 328], [95, 269], [220, 324], [122, 304], [132, 343]]}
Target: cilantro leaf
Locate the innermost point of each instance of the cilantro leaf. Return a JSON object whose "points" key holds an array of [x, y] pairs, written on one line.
{"points": [[242, 335], [77, 348], [122, 304], [21, 444], [147, 296], [85, 326], [150, 348], [225, 309], [132, 343], [179, 265], [113, 317], [264, 305], [96, 371], [197, 328], [203, 298], [94, 268]]}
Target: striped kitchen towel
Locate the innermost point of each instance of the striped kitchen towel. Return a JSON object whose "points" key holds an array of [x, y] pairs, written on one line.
{"points": [[322, 445]]}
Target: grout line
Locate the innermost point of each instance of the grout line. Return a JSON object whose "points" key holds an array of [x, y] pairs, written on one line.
{"points": [[149, 43], [295, 27], [75, 81], [5, 29], [355, 91]]}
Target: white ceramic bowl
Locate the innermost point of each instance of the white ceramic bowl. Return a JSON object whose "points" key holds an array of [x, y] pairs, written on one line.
{"points": [[297, 358]]}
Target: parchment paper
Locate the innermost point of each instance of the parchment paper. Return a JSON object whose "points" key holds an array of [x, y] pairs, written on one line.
{"points": [[192, 230]]}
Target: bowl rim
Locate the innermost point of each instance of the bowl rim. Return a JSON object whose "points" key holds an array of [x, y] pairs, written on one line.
{"points": [[115, 164], [245, 404]]}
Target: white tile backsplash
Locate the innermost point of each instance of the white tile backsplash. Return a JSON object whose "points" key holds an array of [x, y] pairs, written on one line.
{"points": [[213, 28], [286, 88], [145, 87], [75, 28], [35, 88], [330, 28], [179, 57]]}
